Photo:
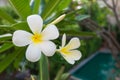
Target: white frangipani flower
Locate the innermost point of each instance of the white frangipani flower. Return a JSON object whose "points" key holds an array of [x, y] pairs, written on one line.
{"points": [[39, 41], [69, 51]]}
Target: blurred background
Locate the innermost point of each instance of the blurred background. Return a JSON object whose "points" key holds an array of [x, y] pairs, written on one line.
{"points": [[95, 22]]}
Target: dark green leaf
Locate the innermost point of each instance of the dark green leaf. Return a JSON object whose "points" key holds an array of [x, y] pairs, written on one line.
{"points": [[19, 59], [21, 26], [49, 8], [22, 7], [82, 17], [5, 38], [5, 47], [6, 16], [77, 33], [65, 76], [59, 74], [9, 59], [63, 4]]}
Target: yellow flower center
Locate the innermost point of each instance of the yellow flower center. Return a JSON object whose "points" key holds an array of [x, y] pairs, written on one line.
{"points": [[37, 38], [65, 50]]}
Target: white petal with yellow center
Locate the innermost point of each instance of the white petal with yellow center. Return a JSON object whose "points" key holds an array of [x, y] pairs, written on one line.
{"points": [[21, 38], [68, 51], [33, 53], [48, 48], [73, 44], [50, 32], [74, 54], [70, 55], [35, 23], [37, 38]]}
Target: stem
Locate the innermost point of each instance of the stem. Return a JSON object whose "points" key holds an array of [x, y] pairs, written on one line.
{"points": [[60, 72], [115, 13], [41, 78], [44, 74]]}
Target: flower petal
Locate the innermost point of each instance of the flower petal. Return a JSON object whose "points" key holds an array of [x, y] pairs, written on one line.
{"points": [[35, 23], [21, 38], [72, 56], [50, 32], [75, 55], [71, 61], [73, 44], [33, 53], [48, 48], [63, 40]]}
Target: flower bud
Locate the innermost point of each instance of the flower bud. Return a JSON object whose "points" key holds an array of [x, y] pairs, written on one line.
{"points": [[60, 18]]}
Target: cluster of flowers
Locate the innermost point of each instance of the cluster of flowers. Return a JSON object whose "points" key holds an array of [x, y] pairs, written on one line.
{"points": [[39, 41]]}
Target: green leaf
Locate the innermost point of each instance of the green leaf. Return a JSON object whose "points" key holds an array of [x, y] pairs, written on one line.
{"points": [[65, 76], [4, 26], [78, 33], [5, 37], [81, 17], [22, 7], [19, 59], [46, 1], [49, 8], [5, 47], [17, 26], [59, 74], [6, 16], [63, 4], [9, 59], [21, 26], [44, 73], [36, 6]]}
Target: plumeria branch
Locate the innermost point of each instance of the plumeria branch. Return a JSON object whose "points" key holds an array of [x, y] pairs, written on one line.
{"points": [[108, 4], [98, 29], [106, 35], [114, 10]]}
